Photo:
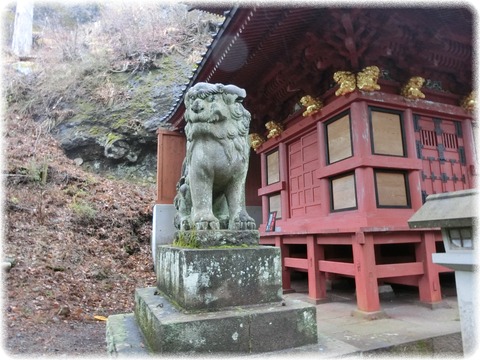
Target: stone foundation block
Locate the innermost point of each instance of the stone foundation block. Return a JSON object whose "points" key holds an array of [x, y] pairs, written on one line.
{"points": [[246, 329], [213, 279], [209, 238]]}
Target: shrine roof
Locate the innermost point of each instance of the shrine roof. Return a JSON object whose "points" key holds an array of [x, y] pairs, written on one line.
{"points": [[278, 54]]}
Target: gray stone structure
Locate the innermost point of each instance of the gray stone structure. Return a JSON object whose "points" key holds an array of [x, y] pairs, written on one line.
{"points": [[218, 290], [211, 191], [456, 214]]}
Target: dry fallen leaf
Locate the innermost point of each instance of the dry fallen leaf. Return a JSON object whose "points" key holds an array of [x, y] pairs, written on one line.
{"points": [[100, 317]]}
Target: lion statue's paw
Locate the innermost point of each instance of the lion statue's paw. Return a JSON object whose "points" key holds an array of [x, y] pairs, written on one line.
{"points": [[185, 224], [206, 221], [243, 222]]}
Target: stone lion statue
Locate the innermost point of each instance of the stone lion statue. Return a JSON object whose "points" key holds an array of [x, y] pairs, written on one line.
{"points": [[211, 190]]}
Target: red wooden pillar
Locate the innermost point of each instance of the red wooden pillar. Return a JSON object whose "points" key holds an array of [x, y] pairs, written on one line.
{"points": [[429, 282], [414, 176], [360, 129], [263, 174], [316, 280], [366, 283], [469, 144], [170, 154], [322, 163], [284, 196], [284, 252]]}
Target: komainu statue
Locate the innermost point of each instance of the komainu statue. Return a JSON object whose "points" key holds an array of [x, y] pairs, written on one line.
{"points": [[367, 79], [411, 90], [347, 82], [256, 140], [211, 190], [274, 129], [469, 102], [311, 104]]}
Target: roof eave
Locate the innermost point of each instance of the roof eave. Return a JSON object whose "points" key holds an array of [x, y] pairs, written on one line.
{"points": [[175, 117]]}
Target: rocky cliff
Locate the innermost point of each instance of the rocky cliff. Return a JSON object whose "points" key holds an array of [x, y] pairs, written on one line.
{"points": [[101, 82]]}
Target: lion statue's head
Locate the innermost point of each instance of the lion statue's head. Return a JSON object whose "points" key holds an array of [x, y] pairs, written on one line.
{"points": [[216, 111]]}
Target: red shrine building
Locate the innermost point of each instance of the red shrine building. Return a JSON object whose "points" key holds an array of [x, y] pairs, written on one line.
{"points": [[358, 114]]}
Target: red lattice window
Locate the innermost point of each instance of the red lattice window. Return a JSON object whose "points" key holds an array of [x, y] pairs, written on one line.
{"points": [[450, 141], [429, 138]]}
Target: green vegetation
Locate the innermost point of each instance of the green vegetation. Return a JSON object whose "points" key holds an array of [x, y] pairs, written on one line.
{"points": [[186, 239], [83, 211], [103, 70]]}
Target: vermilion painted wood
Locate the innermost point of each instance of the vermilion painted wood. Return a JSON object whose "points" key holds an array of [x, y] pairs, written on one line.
{"points": [[394, 270], [428, 284], [368, 227], [316, 289], [285, 251], [336, 267], [366, 282], [170, 155]]}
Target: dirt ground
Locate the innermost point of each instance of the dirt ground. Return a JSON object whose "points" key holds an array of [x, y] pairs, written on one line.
{"points": [[64, 338], [79, 245]]}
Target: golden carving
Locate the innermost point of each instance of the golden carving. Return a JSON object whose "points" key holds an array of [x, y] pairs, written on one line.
{"points": [[312, 105], [347, 82], [256, 140], [469, 102], [411, 90], [274, 129], [367, 79]]}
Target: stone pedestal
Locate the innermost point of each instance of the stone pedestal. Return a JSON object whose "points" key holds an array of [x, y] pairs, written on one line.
{"points": [[226, 298], [244, 329], [212, 279]]}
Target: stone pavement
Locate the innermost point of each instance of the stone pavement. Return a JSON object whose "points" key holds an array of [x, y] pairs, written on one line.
{"points": [[410, 329]]}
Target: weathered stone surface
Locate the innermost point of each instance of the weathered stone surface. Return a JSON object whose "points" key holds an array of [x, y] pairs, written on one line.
{"points": [[451, 209], [211, 190], [212, 279], [124, 336], [209, 238], [254, 328]]}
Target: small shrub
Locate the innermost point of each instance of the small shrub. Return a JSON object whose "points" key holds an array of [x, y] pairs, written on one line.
{"points": [[83, 211]]}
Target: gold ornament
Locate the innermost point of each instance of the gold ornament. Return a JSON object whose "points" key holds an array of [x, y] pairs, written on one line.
{"points": [[367, 79], [469, 102], [411, 90], [256, 140], [312, 105], [347, 82], [274, 129]]}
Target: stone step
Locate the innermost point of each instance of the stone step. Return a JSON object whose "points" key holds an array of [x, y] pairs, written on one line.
{"points": [[124, 337], [245, 329]]}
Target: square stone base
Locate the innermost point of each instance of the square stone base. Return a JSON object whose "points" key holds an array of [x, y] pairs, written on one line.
{"points": [[247, 329], [213, 279]]}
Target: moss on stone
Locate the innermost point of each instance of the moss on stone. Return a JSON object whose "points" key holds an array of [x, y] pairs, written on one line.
{"points": [[111, 138]]}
